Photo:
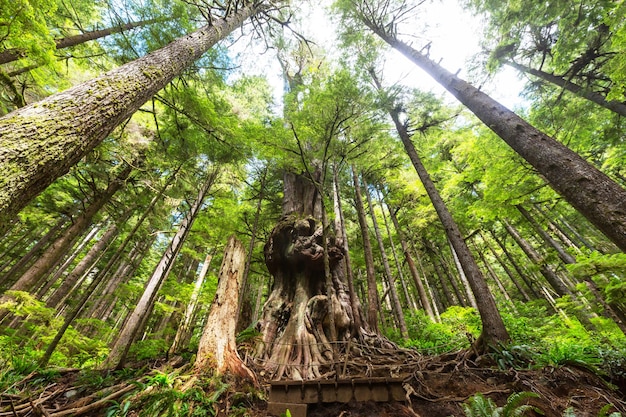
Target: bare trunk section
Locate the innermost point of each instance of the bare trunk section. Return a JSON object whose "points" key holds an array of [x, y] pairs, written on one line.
{"points": [[135, 321], [10, 55], [86, 262], [217, 349], [341, 235], [555, 282], [40, 142], [599, 99], [601, 200], [549, 240], [35, 251], [506, 269]]}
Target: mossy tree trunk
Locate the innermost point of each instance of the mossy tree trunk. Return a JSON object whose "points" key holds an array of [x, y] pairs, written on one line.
{"points": [[40, 142]]}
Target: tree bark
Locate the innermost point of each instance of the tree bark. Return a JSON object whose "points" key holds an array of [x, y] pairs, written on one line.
{"points": [[217, 349], [599, 99], [601, 200], [40, 142], [132, 326], [372, 289], [13, 54]]}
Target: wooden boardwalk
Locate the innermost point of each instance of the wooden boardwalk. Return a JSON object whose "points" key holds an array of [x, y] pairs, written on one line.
{"points": [[296, 395]]}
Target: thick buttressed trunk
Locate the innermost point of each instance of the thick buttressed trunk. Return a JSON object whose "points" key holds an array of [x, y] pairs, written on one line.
{"points": [[296, 321]]}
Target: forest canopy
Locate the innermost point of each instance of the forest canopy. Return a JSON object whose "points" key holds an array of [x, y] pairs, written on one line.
{"points": [[250, 188]]}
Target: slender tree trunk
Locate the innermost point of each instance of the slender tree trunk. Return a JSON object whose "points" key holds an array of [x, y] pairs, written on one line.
{"points": [[217, 349], [245, 303], [449, 298], [506, 269], [597, 197], [35, 251], [132, 327], [414, 274], [86, 262], [13, 54], [599, 99], [61, 245], [342, 238], [410, 301], [555, 282], [372, 289], [565, 257], [560, 231], [99, 307], [493, 331], [43, 289], [466, 287], [184, 329], [393, 293], [40, 142], [528, 281]]}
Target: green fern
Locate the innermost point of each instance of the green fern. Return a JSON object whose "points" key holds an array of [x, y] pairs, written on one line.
{"points": [[481, 406]]}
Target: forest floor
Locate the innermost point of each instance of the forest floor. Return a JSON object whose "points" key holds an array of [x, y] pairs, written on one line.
{"points": [[438, 387]]}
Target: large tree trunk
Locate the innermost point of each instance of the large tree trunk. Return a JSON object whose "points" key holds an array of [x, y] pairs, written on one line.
{"points": [[13, 54], [40, 142], [136, 320], [595, 97], [493, 331], [217, 349], [591, 192], [297, 338]]}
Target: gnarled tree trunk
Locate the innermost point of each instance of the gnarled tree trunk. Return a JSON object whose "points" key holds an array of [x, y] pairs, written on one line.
{"points": [[296, 324]]}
